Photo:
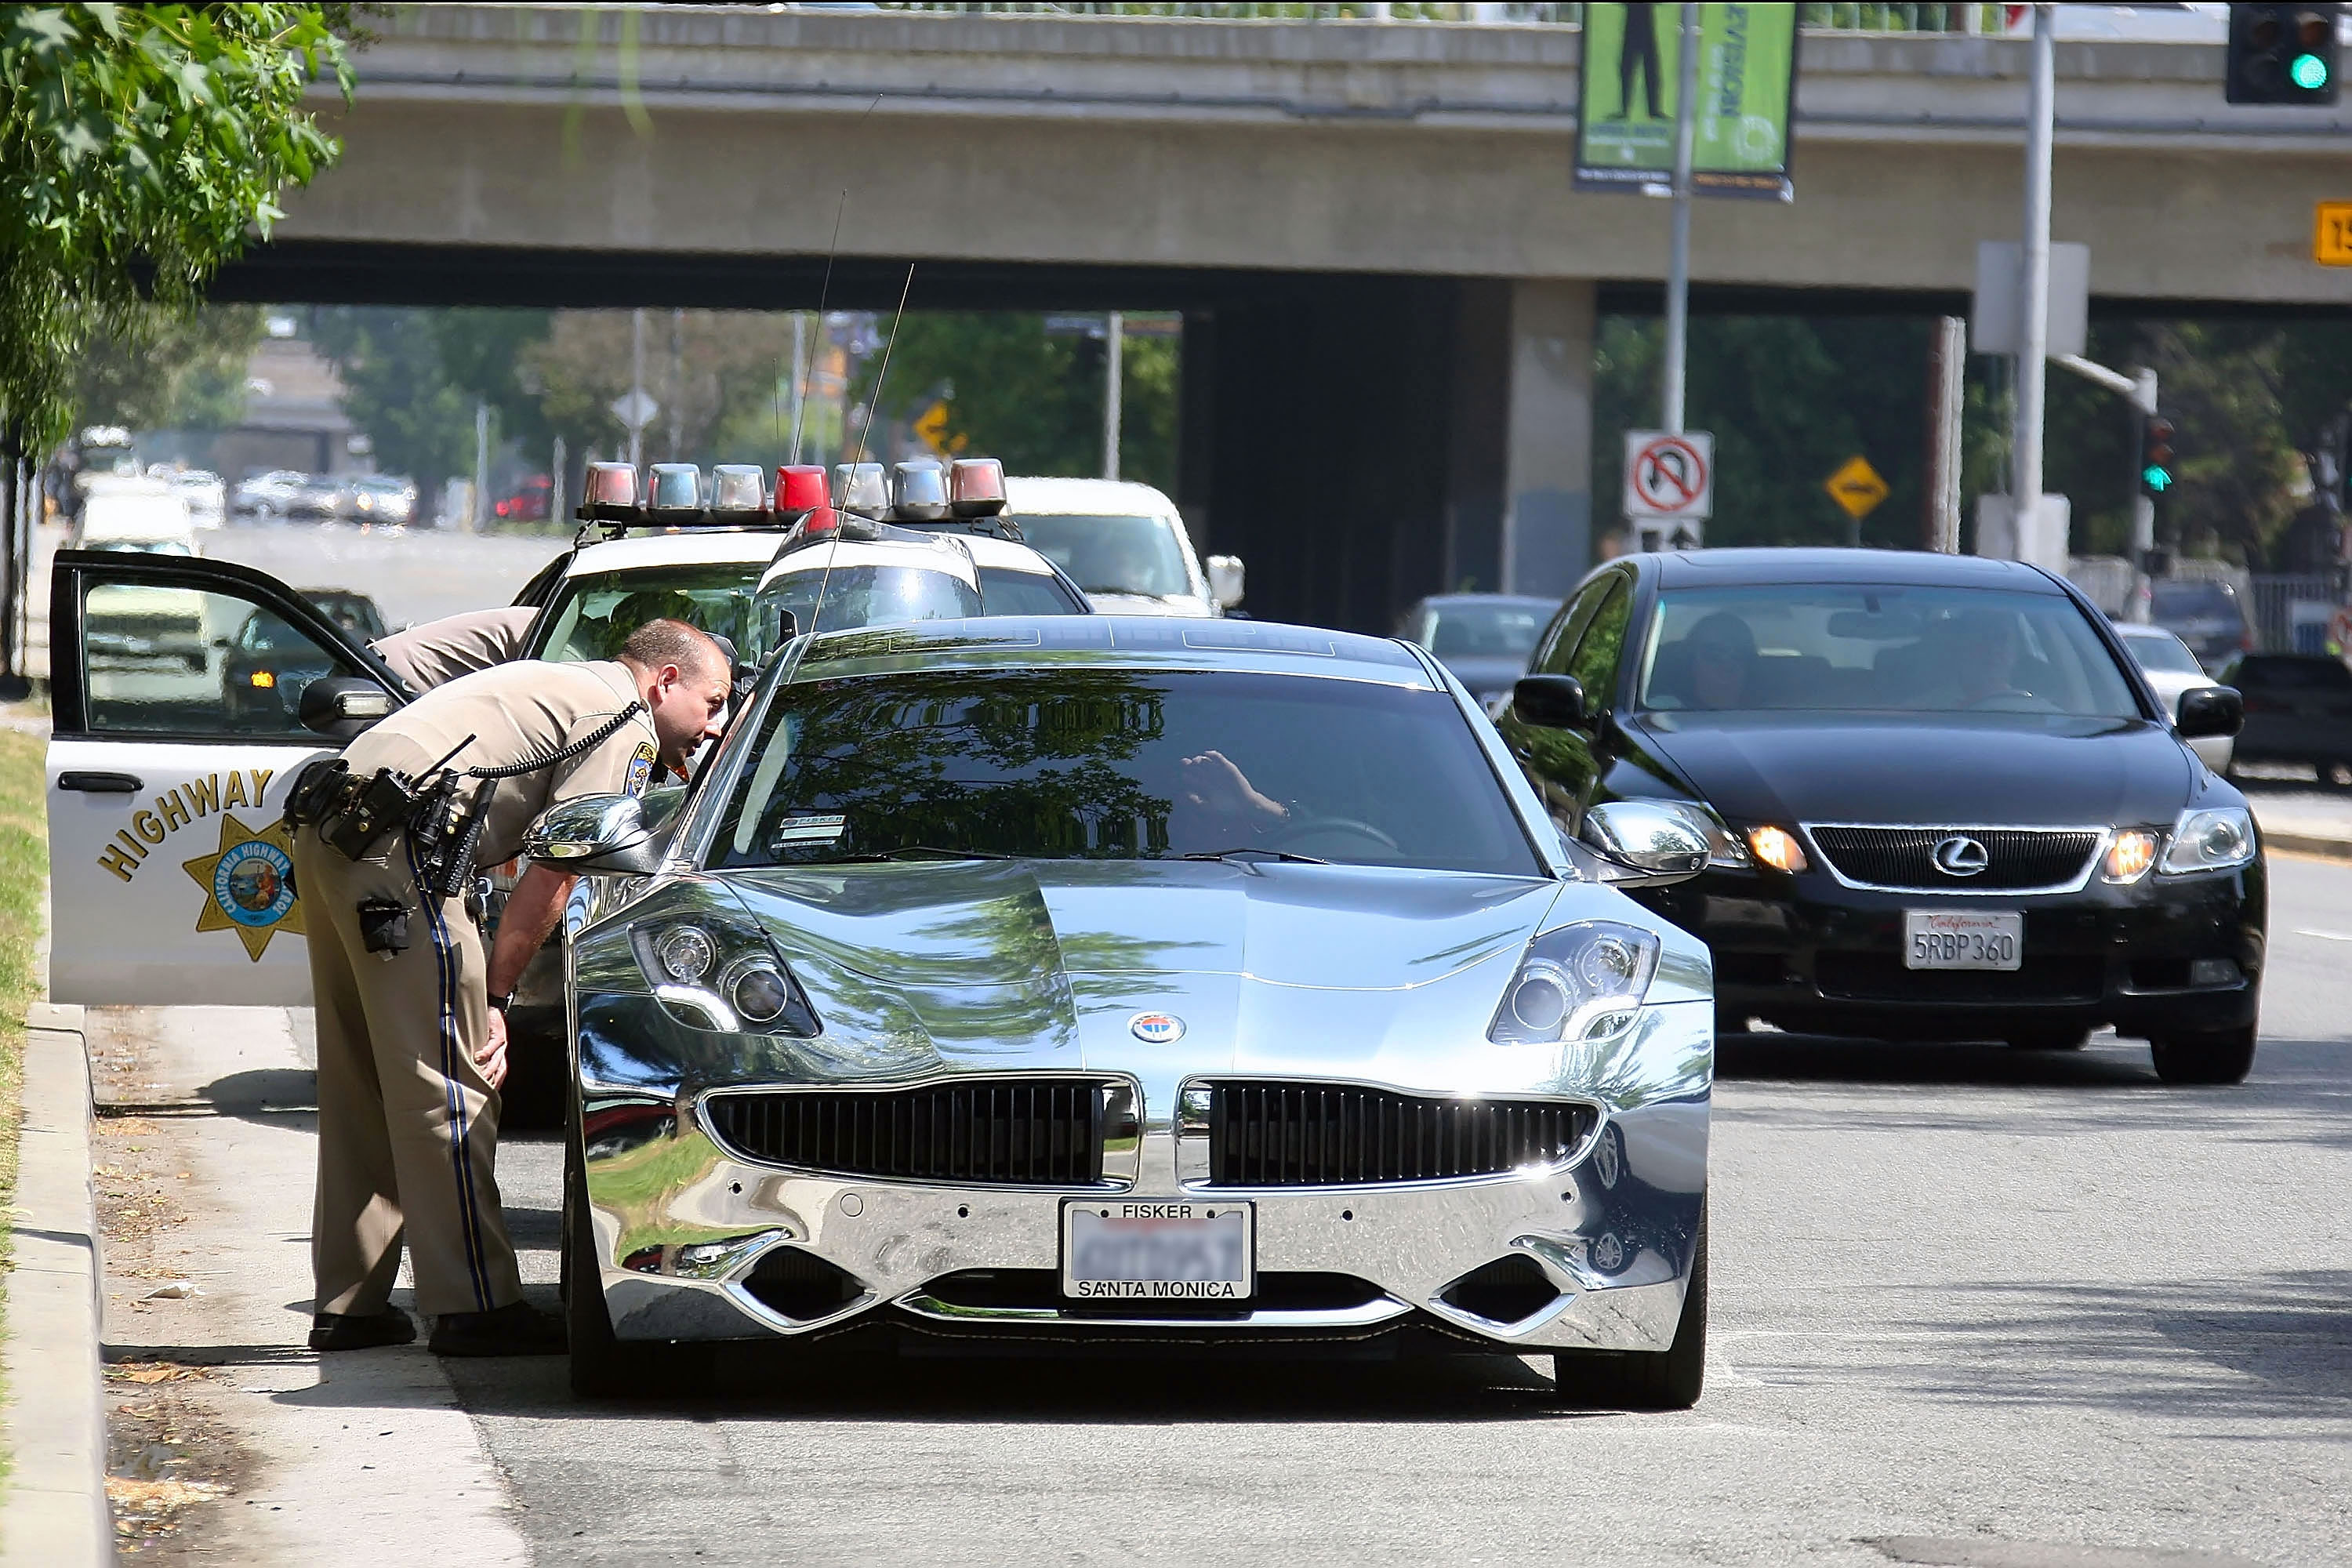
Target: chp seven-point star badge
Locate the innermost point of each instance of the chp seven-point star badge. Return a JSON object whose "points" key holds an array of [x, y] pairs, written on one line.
{"points": [[248, 885]]}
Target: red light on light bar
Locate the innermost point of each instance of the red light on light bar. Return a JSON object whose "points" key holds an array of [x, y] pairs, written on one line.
{"points": [[976, 486], [800, 488], [823, 519]]}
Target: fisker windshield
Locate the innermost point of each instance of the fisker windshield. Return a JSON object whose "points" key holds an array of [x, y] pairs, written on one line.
{"points": [[1120, 765], [1859, 646]]}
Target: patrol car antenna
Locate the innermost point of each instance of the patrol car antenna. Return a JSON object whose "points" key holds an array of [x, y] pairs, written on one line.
{"points": [[816, 613], [800, 403]]}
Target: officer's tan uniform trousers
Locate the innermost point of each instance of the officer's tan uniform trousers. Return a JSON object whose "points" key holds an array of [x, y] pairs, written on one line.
{"points": [[407, 1124]]}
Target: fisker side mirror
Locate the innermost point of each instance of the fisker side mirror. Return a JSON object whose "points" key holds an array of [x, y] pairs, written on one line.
{"points": [[1548, 702], [1645, 843], [2210, 711], [1225, 579], [340, 706], [606, 832]]}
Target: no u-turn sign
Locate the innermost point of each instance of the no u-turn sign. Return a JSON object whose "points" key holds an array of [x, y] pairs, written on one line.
{"points": [[1669, 476]]}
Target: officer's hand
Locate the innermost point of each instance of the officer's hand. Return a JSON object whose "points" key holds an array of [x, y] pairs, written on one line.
{"points": [[492, 1058]]}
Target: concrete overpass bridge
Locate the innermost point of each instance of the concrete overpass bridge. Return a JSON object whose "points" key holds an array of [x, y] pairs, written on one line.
{"points": [[1369, 226]]}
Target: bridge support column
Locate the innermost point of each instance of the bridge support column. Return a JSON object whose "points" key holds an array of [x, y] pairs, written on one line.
{"points": [[1546, 521]]}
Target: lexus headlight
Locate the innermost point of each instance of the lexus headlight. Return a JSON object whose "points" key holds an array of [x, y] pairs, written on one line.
{"points": [[2209, 840], [1578, 982], [714, 972]]}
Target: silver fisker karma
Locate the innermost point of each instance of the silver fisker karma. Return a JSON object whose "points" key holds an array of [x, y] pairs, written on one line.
{"points": [[1081, 979]]}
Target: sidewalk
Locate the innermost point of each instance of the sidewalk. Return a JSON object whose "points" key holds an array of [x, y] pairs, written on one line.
{"points": [[2301, 819]]}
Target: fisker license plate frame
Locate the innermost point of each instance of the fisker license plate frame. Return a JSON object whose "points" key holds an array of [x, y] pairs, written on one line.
{"points": [[1142, 1251]]}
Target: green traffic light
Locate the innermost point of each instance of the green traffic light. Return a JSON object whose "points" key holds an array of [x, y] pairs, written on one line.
{"points": [[2308, 72], [2155, 479]]}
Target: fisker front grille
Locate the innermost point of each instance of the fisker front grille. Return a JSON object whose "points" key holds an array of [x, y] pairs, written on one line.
{"points": [[1959, 859], [988, 1131], [1321, 1135]]}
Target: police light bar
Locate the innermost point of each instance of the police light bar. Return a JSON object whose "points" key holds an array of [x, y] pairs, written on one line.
{"points": [[859, 487], [739, 487], [609, 493], [976, 486], [800, 489], [674, 488], [919, 491]]}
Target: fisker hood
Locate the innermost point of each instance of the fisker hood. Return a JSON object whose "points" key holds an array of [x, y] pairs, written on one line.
{"points": [[1965, 770]]}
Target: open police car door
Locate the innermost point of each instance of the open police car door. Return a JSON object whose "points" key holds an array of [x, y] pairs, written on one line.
{"points": [[176, 686]]}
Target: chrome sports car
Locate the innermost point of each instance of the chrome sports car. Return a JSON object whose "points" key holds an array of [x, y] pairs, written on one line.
{"points": [[1074, 978]]}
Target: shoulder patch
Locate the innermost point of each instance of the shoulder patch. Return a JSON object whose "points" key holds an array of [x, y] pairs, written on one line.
{"points": [[641, 769]]}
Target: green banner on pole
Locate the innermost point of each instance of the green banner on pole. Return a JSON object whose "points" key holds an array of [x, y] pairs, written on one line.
{"points": [[1746, 83]]}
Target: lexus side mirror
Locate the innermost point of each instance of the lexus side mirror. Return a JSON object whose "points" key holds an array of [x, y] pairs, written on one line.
{"points": [[1645, 843], [2210, 711], [607, 833], [1548, 702], [1225, 580], [340, 706]]}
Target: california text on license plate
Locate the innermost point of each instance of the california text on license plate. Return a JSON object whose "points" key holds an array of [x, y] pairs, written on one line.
{"points": [[1962, 938], [1198, 1252]]}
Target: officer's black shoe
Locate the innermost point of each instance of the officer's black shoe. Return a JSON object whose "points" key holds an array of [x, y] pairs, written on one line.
{"points": [[516, 1329], [360, 1331]]}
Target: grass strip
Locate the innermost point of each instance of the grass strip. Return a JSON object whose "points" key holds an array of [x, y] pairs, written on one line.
{"points": [[23, 876]]}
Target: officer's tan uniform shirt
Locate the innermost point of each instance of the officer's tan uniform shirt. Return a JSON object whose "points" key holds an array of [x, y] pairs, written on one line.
{"points": [[514, 712], [438, 652]]}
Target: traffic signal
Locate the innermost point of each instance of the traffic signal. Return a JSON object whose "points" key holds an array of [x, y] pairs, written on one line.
{"points": [[2156, 474], [2282, 54]]}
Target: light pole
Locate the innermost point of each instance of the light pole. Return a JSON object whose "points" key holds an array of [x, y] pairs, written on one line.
{"points": [[2033, 369], [1678, 252], [1114, 351]]}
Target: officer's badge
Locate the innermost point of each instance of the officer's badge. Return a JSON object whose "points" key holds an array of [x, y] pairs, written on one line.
{"points": [[248, 885], [641, 768]]}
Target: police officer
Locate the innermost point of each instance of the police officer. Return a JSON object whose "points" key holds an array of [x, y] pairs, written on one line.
{"points": [[438, 652], [411, 1020]]}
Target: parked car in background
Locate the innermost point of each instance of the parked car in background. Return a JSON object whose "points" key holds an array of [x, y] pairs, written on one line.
{"points": [[382, 497], [320, 497], [206, 496], [2174, 671], [266, 495], [2206, 614], [2298, 710], [267, 663], [1125, 545], [531, 501], [1483, 638], [355, 612], [141, 626]]}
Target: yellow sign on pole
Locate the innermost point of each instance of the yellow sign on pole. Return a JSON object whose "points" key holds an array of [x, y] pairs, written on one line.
{"points": [[2331, 235], [1856, 486], [931, 425]]}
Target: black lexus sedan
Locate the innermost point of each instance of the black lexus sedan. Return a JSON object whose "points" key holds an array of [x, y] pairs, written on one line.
{"points": [[1945, 802]]}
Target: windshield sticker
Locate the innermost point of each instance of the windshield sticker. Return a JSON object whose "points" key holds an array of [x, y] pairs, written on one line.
{"points": [[809, 830], [248, 885]]}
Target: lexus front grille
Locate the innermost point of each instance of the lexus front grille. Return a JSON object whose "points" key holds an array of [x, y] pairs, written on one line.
{"points": [[982, 1131], [1914, 860], [1263, 1134]]}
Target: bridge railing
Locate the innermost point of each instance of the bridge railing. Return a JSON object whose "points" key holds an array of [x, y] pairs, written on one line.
{"points": [[1838, 19]]}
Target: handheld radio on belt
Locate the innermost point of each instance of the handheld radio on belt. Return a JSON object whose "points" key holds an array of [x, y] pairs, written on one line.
{"points": [[355, 814]]}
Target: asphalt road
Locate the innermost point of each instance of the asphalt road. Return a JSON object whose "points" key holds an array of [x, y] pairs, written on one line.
{"points": [[1963, 1297], [413, 574]]}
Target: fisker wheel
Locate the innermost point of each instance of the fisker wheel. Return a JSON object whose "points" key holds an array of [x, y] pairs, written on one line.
{"points": [[1645, 1380], [2224, 1058]]}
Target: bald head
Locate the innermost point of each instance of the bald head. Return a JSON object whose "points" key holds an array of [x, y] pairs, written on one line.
{"points": [[683, 678], [674, 643]]}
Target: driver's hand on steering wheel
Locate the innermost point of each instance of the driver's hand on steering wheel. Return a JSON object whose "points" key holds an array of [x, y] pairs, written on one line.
{"points": [[1213, 784]]}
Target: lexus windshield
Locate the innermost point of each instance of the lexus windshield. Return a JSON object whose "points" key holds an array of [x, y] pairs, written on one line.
{"points": [[1860, 646], [1120, 765]]}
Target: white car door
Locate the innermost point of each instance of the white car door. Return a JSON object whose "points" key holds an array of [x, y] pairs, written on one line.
{"points": [[174, 684]]}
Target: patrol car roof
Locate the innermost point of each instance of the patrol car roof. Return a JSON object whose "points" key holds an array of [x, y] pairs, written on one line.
{"points": [[1904, 568], [1130, 642], [698, 547], [1035, 497]]}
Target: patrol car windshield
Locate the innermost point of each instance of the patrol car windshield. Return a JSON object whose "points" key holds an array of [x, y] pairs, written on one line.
{"points": [[1113, 555], [1099, 764], [594, 612], [868, 596], [1923, 649]]}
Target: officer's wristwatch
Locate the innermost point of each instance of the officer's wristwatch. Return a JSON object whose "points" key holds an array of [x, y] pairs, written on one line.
{"points": [[500, 1003]]}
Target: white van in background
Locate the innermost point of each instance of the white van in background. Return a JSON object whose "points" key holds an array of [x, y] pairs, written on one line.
{"points": [[1125, 545], [123, 512]]}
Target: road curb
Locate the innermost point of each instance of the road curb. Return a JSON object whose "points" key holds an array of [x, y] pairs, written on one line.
{"points": [[55, 1510], [2309, 844]]}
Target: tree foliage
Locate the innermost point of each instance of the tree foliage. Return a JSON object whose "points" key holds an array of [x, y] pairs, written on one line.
{"points": [[174, 370], [139, 146]]}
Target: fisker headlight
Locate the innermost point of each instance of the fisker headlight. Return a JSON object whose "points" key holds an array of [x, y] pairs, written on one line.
{"points": [[714, 972], [2209, 840], [1577, 982]]}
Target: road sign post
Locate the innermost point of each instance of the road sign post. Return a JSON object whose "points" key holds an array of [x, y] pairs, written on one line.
{"points": [[1669, 487]]}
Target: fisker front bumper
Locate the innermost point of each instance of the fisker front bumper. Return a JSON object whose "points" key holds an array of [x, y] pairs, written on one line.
{"points": [[696, 1239]]}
